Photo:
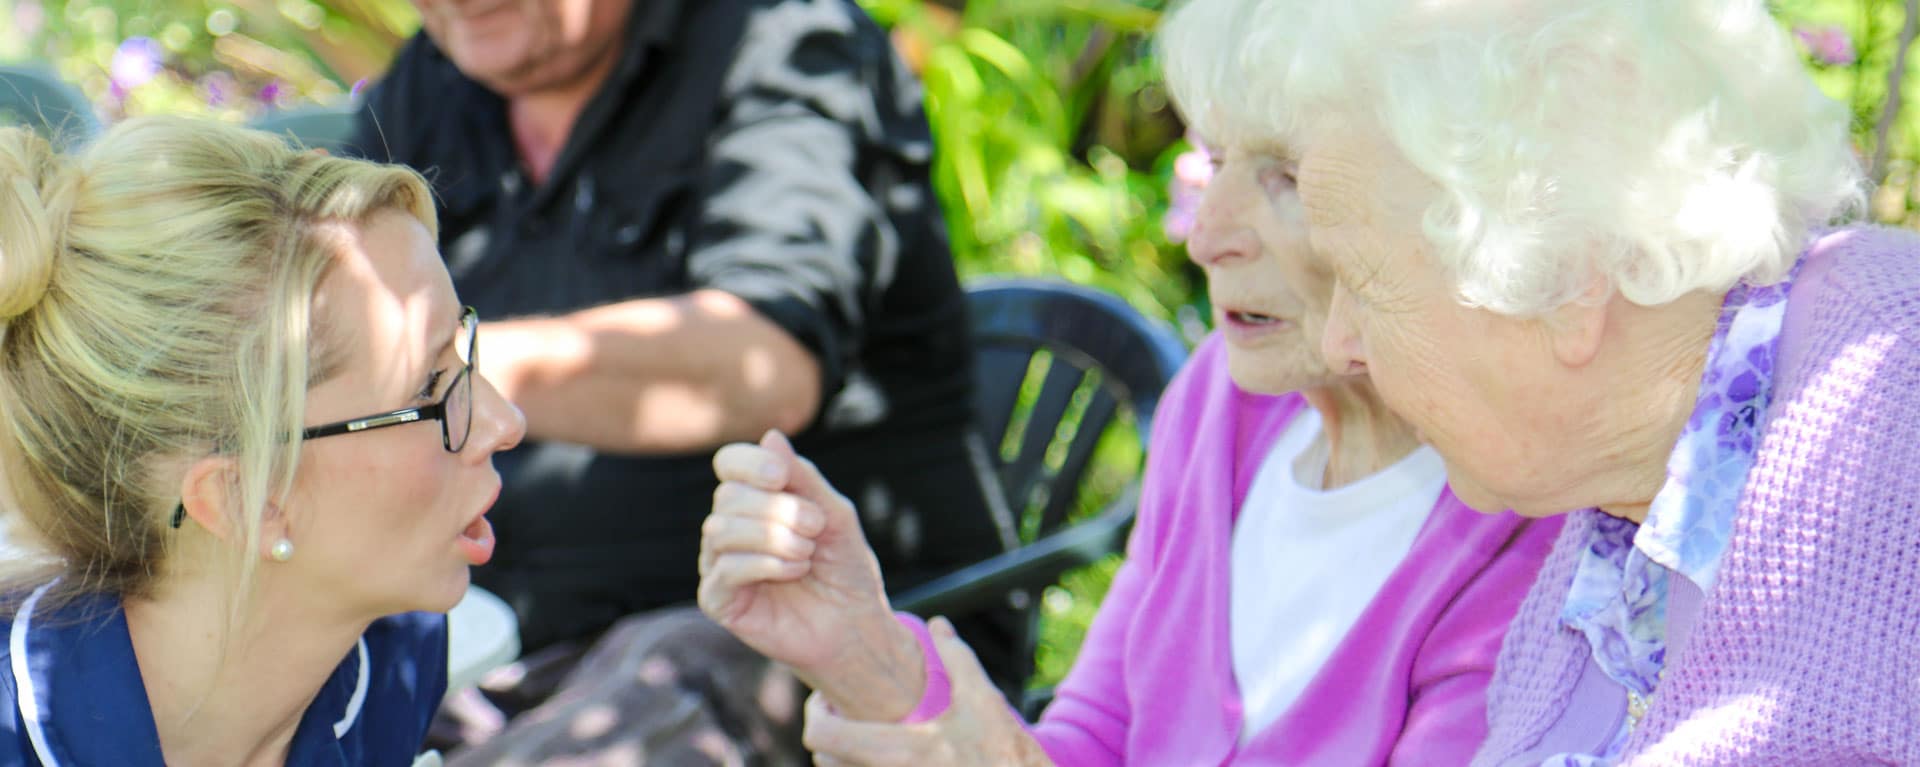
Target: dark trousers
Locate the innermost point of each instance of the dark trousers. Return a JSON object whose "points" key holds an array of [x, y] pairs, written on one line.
{"points": [[668, 688]]}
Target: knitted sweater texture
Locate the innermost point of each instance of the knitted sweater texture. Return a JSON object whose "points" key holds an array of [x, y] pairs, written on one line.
{"points": [[1806, 651]]}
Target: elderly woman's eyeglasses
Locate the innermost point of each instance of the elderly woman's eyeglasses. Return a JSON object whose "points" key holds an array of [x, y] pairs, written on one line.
{"points": [[454, 411]]}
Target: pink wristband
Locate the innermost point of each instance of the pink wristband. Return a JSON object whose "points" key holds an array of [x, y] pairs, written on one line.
{"points": [[939, 692]]}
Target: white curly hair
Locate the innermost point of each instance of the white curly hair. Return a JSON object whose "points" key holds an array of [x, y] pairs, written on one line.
{"points": [[1669, 146]]}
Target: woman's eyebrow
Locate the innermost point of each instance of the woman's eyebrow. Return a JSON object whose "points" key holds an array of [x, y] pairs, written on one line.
{"points": [[1273, 148], [443, 336]]}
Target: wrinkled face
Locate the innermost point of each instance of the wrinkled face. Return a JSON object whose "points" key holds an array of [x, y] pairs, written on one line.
{"points": [[515, 46], [1484, 389], [386, 520], [1269, 295]]}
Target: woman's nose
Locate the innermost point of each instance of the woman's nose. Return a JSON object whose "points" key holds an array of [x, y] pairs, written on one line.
{"points": [[1220, 233], [499, 423], [1340, 341]]}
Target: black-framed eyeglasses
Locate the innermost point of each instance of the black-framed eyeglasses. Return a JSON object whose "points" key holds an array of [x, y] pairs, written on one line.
{"points": [[454, 411]]}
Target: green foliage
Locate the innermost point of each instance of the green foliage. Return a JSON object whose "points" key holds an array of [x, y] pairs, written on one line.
{"points": [[1054, 140], [1066, 611], [227, 58], [1873, 29]]}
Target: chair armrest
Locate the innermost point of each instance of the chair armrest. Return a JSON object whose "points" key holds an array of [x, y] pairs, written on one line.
{"points": [[1034, 702], [1034, 566]]}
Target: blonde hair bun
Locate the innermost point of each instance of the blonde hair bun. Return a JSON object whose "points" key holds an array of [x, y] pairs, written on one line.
{"points": [[39, 191]]}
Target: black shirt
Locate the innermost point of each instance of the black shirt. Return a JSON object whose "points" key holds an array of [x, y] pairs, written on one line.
{"points": [[774, 149]]}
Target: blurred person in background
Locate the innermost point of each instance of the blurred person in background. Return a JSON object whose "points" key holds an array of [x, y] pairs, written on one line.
{"points": [[687, 223]]}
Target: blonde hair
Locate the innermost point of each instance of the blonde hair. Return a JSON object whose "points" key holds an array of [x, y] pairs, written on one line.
{"points": [[1669, 146], [156, 290]]}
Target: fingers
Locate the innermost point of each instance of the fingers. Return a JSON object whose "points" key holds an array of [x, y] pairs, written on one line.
{"points": [[736, 534], [835, 740], [802, 477], [773, 465], [964, 672], [752, 465], [729, 574], [776, 442], [768, 465], [737, 500], [749, 520], [961, 736]]}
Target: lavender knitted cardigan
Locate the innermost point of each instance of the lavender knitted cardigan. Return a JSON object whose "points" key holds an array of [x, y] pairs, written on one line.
{"points": [[1807, 649]]}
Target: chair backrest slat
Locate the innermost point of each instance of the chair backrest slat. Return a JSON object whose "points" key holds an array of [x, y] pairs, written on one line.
{"points": [[1077, 451], [1000, 369], [1024, 474]]}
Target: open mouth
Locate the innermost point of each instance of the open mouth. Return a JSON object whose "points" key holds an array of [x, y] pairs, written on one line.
{"points": [[1244, 321], [1252, 318], [476, 540]]}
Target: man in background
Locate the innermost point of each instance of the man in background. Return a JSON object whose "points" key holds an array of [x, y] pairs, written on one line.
{"points": [[685, 223]]}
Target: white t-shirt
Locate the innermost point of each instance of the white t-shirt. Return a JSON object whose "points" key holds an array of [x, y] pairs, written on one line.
{"points": [[1307, 562]]}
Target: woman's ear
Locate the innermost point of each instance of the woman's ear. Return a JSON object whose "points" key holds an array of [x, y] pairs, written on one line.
{"points": [[1579, 327], [207, 495]]}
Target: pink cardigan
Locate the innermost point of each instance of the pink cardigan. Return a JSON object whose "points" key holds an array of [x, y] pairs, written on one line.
{"points": [[1154, 681]]}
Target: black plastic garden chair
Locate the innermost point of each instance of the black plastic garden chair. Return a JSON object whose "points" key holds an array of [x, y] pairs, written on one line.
{"points": [[328, 128], [36, 98], [1056, 365]]}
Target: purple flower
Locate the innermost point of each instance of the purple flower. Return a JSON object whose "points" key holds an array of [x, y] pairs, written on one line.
{"points": [[217, 87], [1194, 168], [1191, 172], [270, 94], [135, 62], [1828, 45], [1179, 220], [28, 18]]}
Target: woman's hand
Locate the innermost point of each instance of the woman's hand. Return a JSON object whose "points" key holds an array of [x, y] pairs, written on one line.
{"points": [[784, 566], [977, 728]]}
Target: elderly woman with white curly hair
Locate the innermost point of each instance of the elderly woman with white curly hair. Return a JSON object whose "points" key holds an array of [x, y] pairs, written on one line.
{"points": [[1589, 248]]}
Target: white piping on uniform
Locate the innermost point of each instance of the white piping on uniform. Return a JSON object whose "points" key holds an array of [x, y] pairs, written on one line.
{"points": [[23, 678], [341, 727], [30, 704]]}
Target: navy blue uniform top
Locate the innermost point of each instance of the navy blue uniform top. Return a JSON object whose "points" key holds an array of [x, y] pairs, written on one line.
{"points": [[71, 692]]}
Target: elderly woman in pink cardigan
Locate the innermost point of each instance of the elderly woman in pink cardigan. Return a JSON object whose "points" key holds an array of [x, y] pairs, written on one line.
{"points": [[1586, 248], [1300, 587]]}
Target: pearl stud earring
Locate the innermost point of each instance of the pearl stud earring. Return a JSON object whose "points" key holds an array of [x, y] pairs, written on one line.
{"points": [[281, 551]]}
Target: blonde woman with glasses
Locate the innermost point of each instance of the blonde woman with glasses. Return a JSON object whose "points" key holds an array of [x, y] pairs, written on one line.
{"points": [[243, 433]]}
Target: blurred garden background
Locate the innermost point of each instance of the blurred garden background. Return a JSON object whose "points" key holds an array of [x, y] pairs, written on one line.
{"points": [[1059, 153]]}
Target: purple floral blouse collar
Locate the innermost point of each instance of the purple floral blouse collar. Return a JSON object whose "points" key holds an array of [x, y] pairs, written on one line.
{"points": [[1619, 594], [1690, 519]]}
